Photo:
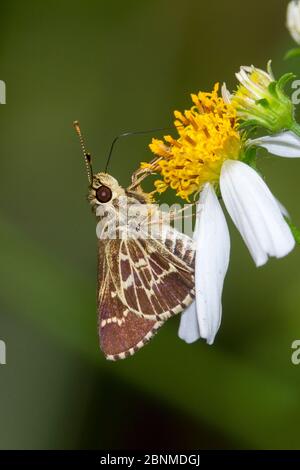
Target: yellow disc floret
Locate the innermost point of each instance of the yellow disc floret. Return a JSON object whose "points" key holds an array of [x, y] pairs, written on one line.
{"points": [[208, 135]]}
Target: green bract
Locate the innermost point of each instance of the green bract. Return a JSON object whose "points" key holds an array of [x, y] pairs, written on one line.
{"points": [[261, 100]]}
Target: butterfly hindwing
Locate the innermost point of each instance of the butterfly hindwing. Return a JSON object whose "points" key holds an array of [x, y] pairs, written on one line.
{"points": [[154, 283]]}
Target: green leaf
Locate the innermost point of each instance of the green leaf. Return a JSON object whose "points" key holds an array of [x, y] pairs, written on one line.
{"points": [[295, 52]]}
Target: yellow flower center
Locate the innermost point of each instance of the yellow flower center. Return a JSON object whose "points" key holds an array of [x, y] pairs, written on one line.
{"points": [[208, 135]]}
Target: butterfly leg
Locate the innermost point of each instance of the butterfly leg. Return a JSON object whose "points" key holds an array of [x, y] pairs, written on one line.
{"points": [[176, 214], [139, 175]]}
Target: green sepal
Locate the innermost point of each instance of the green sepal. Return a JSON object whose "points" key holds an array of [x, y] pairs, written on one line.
{"points": [[295, 231], [263, 102], [295, 52], [276, 88], [250, 156], [272, 88], [295, 127], [280, 88], [284, 80], [248, 123]]}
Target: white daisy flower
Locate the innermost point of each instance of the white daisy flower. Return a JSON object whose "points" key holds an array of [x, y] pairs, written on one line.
{"points": [[293, 20], [209, 158]]}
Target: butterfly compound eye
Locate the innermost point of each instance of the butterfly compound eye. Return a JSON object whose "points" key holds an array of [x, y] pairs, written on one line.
{"points": [[103, 194]]}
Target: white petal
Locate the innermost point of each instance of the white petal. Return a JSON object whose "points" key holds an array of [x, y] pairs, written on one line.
{"points": [[189, 328], [270, 71], [255, 212], [285, 144], [226, 95], [212, 259]]}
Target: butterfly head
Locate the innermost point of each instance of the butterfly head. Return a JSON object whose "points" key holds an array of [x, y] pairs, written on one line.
{"points": [[104, 190]]}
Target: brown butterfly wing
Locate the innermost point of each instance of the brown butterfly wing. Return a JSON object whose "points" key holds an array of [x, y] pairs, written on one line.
{"points": [[142, 282], [121, 331]]}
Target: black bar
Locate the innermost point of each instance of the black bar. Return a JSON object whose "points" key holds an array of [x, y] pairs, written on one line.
{"points": [[132, 459]]}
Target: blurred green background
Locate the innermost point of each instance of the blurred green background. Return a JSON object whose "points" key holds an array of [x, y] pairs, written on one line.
{"points": [[120, 66]]}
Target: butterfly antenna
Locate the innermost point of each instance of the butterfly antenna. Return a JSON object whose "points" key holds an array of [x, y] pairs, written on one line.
{"points": [[127, 134], [87, 155]]}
